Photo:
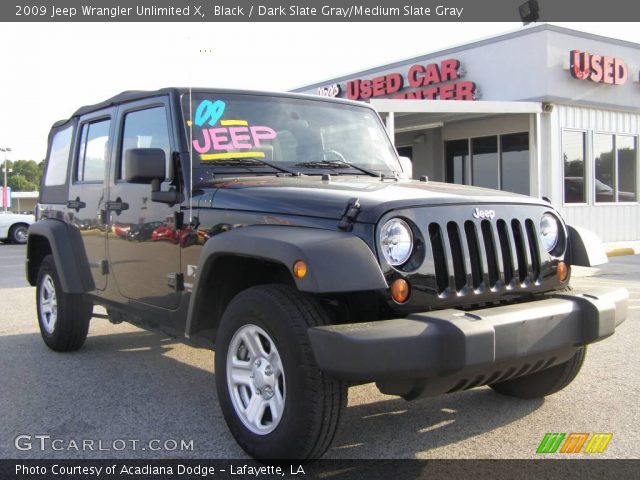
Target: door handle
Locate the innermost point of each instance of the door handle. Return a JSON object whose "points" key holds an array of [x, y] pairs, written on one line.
{"points": [[76, 204], [117, 206]]}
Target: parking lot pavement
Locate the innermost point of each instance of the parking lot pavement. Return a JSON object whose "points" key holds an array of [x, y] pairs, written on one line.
{"points": [[133, 385], [12, 265]]}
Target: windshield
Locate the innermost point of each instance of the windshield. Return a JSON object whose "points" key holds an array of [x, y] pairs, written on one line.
{"points": [[232, 132]]}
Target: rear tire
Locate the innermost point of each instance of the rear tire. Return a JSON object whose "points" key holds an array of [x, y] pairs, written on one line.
{"points": [[264, 363], [545, 382], [63, 317], [18, 234]]}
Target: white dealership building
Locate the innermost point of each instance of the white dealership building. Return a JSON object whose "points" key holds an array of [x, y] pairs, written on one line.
{"points": [[543, 111]]}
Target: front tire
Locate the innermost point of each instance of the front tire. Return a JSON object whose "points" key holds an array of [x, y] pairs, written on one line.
{"points": [[63, 318], [543, 383], [18, 234], [275, 400]]}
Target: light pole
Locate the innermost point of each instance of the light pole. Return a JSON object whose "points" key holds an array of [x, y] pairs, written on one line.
{"points": [[5, 193]]}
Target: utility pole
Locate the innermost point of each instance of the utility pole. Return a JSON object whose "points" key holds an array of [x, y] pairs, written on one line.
{"points": [[5, 192]]}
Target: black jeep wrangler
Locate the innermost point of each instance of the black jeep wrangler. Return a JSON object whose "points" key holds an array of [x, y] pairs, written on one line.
{"points": [[281, 230]]}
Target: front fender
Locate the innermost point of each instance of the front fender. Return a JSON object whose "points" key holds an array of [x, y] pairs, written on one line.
{"points": [[336, 261]]}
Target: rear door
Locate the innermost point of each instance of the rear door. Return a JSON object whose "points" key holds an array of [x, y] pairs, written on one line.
{"points": [[143, 247], [86, 198]]}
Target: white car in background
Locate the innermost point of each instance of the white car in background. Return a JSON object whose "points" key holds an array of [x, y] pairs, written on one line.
{"points": [[14, 226]]}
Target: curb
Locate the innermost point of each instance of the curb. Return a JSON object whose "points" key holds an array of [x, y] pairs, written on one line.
{"points": [[619, 252]]}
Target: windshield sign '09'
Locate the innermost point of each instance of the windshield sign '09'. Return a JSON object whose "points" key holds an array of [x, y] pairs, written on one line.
{"points": [[304, 135]]}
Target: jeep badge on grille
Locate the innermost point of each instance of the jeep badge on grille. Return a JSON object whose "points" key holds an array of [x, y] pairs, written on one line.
{"points": [[477, 213]]}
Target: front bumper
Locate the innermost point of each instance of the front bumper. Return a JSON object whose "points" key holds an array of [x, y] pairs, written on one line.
{"points": [[453, 345]]}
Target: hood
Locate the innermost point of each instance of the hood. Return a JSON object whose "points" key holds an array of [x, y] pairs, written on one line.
{"points": [[311, 196]]}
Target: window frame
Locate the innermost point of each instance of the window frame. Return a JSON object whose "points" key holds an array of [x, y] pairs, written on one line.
{"points": [[593, 169], [590, 170], [498, 158], [54, 134], [587, 167], [592, 179], [636, 138], [501, 161], [59, 194], [468, 164], [137, 106], [466, 167], [76, 160]]}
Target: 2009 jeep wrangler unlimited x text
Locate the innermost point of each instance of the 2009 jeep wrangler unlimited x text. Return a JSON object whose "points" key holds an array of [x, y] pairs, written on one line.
{"points": [[281, 231]]}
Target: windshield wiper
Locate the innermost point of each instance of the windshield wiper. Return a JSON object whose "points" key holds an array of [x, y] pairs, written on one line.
{"points": [[332, 164], [249, 162]]}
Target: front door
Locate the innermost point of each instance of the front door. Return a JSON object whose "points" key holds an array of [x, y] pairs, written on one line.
{"points": [[143, 247], [85, 205]]}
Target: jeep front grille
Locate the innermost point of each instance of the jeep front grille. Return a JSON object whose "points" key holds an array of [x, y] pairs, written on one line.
{"points": [[481, 255]]}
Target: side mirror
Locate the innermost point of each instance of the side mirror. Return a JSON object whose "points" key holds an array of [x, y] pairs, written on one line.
{"points": [[147, 166], [407, 167], [144, 165]]}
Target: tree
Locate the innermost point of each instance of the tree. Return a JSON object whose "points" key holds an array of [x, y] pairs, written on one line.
{"points": [[23, 175]]}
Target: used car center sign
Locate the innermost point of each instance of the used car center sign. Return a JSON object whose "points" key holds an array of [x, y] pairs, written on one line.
{"points": [[597, 68], [432, 81]]}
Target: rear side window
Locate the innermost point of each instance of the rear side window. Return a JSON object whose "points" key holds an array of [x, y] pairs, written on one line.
{"points": [[93, 152], [145, 129], [59, 157]]}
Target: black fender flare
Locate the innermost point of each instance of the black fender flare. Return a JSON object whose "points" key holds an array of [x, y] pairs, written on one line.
{"points": [[67, 248], [336, 261]]}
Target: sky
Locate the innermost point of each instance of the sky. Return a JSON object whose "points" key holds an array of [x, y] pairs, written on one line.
{"points": [[48, 70]]}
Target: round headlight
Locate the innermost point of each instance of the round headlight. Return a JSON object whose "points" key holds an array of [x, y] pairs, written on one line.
{"points": [[549, 231], [396, 241]]}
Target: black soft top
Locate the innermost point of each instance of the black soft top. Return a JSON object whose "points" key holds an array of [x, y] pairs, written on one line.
{"points": [[126, 96], [131, 95]]}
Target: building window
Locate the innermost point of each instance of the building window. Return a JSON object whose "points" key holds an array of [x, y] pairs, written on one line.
{"points": [[604, 157], [615, 167], [627, 154], [615, 159], [573, 152], [457, 154], [484, 162], [499, 162], [514, 150]]}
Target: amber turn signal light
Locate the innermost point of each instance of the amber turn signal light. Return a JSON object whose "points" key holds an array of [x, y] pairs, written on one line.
{"points": [[400, 290], [562, 271], [299, 269]]}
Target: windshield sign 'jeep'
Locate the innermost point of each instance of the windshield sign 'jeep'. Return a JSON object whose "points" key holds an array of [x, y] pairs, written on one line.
{"points": [[283, 232]]}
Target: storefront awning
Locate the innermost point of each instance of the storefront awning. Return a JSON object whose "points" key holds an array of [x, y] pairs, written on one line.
{"points": [[455, 106], [408, 115], [414, 115]]}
